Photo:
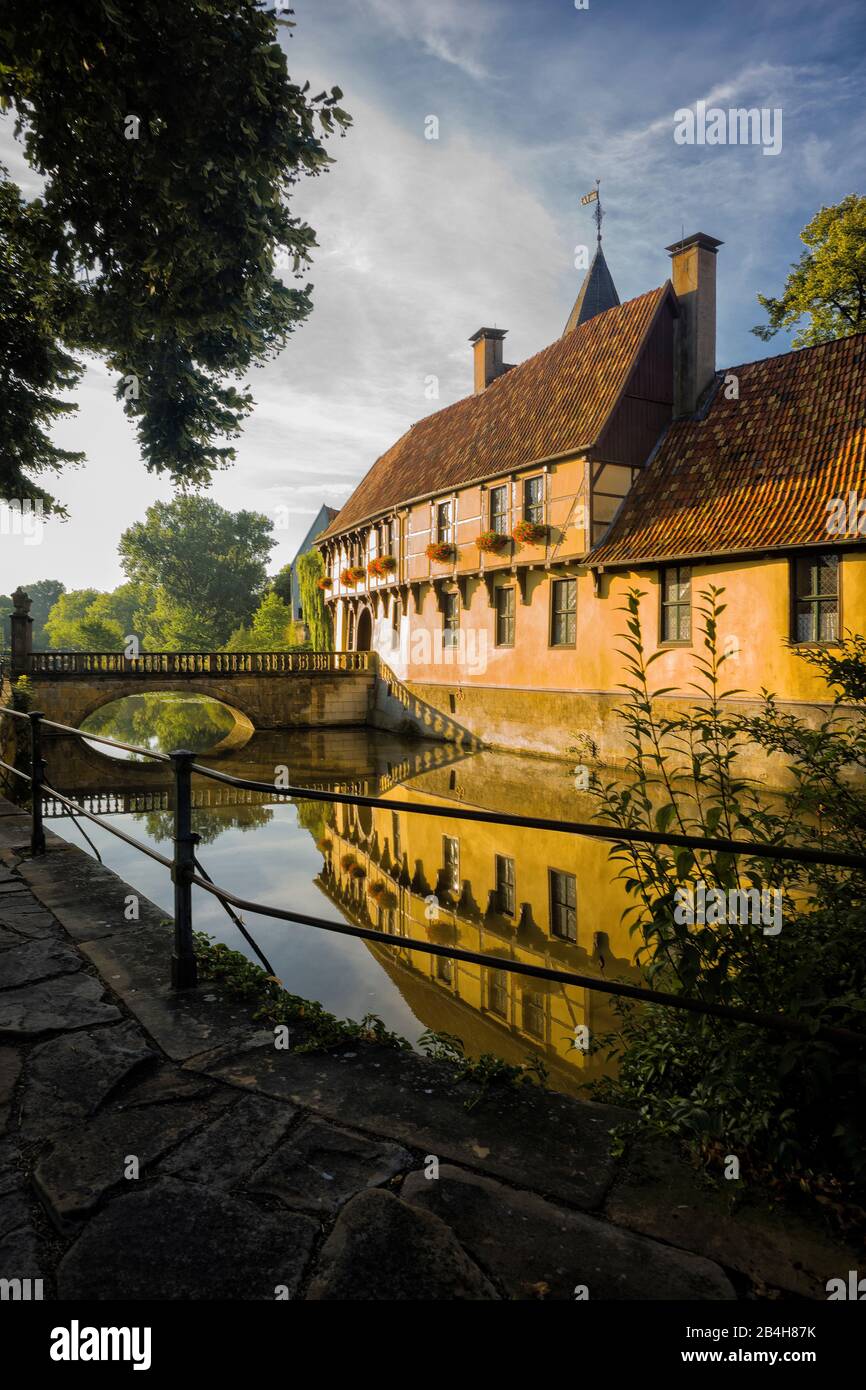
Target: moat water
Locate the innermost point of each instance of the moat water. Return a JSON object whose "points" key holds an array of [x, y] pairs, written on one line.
{"points": [[535, 897]]}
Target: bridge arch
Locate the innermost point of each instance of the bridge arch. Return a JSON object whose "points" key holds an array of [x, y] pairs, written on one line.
{"points": [[112, 692]]}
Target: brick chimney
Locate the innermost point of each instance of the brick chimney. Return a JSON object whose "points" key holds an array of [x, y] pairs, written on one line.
{"points": [[693, 274], [487, 346]]}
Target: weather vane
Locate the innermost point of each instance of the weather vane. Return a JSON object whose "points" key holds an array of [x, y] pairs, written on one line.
{"points": [[594, 197]]}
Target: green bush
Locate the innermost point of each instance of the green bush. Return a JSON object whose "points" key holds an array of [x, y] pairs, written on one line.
{"points": [[790, 1107]]}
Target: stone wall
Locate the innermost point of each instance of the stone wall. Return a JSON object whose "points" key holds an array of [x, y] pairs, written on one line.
{"points": [[268, 701], [574, 724]]}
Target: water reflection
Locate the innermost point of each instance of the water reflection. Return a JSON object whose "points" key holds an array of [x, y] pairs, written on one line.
{"points": [[162, 722], [536, 897]]}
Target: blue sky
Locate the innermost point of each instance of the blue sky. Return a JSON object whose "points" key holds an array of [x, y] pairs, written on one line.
{"points": [[422, 241]]}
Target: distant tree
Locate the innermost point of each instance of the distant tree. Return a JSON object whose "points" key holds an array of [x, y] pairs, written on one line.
{"points": [[171, 138], [130, 606], [281, 584], [207, 566], [272, 627], [311, 568], [71, 626], [828, 283], [43, 593], [35, 298]]}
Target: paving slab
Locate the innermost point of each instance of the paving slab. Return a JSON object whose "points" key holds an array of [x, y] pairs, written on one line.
{"points": [[19, 1254], [537, 1250], [54, 1006], [87, 1162], [69, 1077], [557, 1145], [660, 1194], [14, 830], [321, 1166], [37, 960], [87, 898], [176, 1241], [226, 1151], [136, 964], [28, 920], [383, 1250], [167, 1082], [14, 1212], [10, 1070]]}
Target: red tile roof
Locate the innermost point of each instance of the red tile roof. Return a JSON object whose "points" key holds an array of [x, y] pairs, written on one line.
{"points": [[555, 403], [755, 473]]}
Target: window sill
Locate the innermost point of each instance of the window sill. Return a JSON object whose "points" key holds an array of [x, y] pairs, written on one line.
{"points": [[815, 646]]}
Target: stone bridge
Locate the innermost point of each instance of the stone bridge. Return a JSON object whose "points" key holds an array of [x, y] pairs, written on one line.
{"points": [[264, 690], [271, 690]]}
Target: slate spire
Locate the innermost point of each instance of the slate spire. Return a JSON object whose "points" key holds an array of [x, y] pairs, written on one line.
{"points": [[597, 293]]}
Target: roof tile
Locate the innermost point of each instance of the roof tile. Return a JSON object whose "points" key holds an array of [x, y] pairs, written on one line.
{"points": [[755, 473], [554, 403]]}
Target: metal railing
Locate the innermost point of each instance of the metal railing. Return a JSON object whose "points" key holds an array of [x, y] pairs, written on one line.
{"points": [[58, 665], [187, 872]]}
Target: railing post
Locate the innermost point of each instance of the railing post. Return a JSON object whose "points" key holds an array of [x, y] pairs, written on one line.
{"points": [[37, 772], [184, 972]]}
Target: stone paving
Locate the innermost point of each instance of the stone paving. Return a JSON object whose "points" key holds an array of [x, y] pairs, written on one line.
{"points": [[154, 1146]]}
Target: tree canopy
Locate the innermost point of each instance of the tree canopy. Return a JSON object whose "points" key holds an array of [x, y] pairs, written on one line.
{"points": [[207, 567], [827, 286], [35, 370], [43, 594], [170, 138]]}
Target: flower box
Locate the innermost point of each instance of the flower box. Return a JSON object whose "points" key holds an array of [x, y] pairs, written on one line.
{"points": [[443, 551], [491, 542], [381, 567], [325, 845], [353, 575], [530, 532], [324, 582], [358, 871], [347, 861], [382, 895]]}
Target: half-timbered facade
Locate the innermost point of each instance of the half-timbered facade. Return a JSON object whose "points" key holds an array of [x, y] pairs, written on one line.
{"points": [[486, 555]]}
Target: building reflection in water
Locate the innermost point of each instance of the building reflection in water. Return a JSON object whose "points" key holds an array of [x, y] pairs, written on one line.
{"points": [[539, 897]]}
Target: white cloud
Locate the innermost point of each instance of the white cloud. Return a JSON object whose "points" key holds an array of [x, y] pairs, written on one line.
{"points": [[453, 31]]}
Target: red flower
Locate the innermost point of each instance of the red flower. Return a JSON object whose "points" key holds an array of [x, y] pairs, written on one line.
{"points": [[491, 541], [529, 532], [440, 550], [382, 566]]}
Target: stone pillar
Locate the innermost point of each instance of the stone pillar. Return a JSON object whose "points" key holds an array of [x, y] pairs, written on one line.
{"points": [[22, 633]]}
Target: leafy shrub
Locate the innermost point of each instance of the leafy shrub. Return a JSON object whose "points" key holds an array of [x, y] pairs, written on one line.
{"points": [[789, 1106]]}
